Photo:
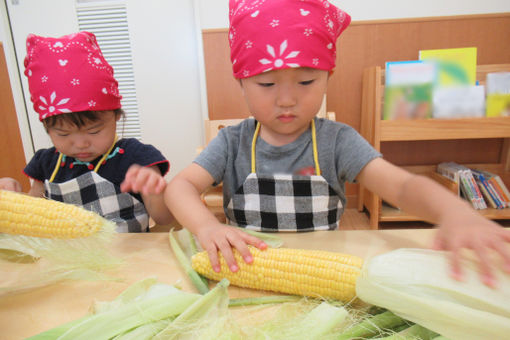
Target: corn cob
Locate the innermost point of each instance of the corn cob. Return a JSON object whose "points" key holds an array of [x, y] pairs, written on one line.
{"points": [[22, 214], [311, 273]]}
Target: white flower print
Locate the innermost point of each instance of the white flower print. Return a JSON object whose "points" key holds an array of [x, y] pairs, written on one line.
{"points": [[51, 107], [44, 79], [315, 61], [279, 61], [75, 82], [248, 44], [92, 103], [97, 61], [308, 32], [274, 23], [246, 73]]}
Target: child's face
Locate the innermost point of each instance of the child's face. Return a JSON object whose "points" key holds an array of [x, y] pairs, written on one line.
{"points": [[87, 142], [285, 101]]}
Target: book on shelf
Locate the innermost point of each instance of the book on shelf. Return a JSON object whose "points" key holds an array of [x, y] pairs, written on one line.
{"points": [[491, 195], [468, 187], [456, 66], [498, 94], [408, 89], [496, 187]]}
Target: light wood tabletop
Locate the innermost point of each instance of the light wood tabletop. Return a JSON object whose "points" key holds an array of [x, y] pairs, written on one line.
{"points": [[149, 255]]}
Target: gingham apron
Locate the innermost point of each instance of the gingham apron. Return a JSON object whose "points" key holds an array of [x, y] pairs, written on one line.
{"points": [[95, 193], [285, 202]]}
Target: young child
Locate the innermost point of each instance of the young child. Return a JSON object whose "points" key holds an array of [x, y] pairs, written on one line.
{"points": [[77, 98], [282, 52]]}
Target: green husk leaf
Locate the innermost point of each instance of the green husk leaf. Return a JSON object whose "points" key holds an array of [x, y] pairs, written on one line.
{"points": [[263, 300], [319, 322], [160, 302], [415, 284], [192, 242], [136, 291], [203, 319], [372, 326], [36, 261], [185, 263], [411, 333], [144, 332]]}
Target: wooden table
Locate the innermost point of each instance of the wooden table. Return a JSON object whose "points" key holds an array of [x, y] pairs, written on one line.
{"points": [[149, 255]]}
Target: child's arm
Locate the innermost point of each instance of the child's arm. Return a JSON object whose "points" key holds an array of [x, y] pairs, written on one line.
{"points": [[7, 183], [460, 225], [182, 195], [151, 185], [36, 190]]}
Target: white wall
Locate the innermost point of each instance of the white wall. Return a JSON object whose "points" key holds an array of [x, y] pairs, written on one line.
{"points": [[214, 13], [169, 72], [165, 59]]}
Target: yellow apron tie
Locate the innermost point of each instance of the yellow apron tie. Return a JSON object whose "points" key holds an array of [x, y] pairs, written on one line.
{"points": [[314, 147], [57, 166]]}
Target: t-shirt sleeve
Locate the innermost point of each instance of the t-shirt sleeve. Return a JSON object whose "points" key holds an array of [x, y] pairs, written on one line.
{"points": [[41, 164], [148, 155], [353, 152], [215, 156]]}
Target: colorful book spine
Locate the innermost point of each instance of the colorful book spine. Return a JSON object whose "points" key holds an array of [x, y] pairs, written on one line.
{"points": [[498, 186], [488, 198], [488, 187], [468, 191], [476, 191]]}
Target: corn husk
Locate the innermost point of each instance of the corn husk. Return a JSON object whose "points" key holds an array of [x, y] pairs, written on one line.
{"points": [[415, 284]]}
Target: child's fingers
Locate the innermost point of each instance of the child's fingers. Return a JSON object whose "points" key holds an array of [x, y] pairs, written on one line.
{"points": [[226, 251], [502, 248], [456, 270], [212, 251], [254, 241], [150, 186], [237, 242], [484, 266]]}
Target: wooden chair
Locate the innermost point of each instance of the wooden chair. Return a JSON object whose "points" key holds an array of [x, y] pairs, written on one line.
{"points": [[213, 197]]}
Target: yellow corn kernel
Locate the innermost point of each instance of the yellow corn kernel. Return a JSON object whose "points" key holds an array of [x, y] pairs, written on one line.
{"points": [[22, 214], [313, 273]]}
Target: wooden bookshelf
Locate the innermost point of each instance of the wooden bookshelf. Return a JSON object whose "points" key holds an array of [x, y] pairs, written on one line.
{"points": [[378, 131]]}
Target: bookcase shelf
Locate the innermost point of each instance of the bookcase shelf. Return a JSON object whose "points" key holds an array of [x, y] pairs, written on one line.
{"points": [[378, 131]]}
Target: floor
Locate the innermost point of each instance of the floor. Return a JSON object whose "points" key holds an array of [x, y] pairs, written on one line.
{"points": [[351, 220]]}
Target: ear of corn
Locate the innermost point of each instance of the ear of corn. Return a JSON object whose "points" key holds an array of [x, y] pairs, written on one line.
{"points": [[311, 273], [22, 214]]}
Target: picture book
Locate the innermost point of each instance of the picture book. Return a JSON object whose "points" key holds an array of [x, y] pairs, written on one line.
{"points": [[408, 89], [498, 94], [456, 66]]}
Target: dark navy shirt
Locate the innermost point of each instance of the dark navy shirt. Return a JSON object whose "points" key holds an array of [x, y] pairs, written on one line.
{"points": [[126, 152]]}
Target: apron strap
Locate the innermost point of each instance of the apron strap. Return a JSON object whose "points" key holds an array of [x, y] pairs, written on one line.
{"points": [[314, 148], [96, 169]]}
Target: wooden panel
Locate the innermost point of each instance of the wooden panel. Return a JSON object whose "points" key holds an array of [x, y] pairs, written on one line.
{"points": [[433, 129], [11, 151]]}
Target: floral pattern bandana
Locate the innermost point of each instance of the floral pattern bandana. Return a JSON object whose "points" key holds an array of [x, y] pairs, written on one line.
{"points": [[265, 35], [69, 74]]}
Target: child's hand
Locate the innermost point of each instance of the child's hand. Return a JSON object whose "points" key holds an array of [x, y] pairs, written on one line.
{"points": [[144, 180], [478, 234], [223, 238], [10, 184]]}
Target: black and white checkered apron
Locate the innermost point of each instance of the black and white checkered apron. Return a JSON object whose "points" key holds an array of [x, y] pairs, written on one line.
{"points": [[285, 202], [95, 193]]}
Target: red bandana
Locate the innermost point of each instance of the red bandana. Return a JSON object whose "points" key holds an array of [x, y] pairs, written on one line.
{"points": [[69, 74], [266, 35]]}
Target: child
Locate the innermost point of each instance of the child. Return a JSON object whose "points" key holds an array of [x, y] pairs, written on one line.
{"points": [[282, 52], [77, 98]]}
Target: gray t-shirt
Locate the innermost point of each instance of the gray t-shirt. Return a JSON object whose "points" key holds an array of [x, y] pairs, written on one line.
{"points": [[342, 155]]}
